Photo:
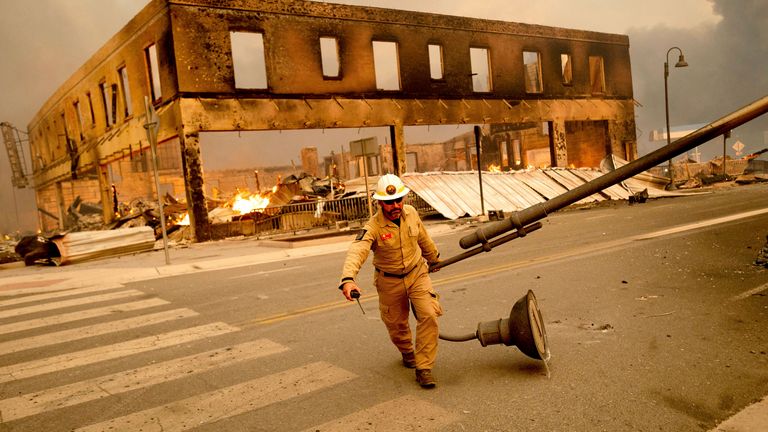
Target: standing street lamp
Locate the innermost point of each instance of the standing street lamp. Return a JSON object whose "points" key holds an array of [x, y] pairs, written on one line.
{"points": [[680, 63]]}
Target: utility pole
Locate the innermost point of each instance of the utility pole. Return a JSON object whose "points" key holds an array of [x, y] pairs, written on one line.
{"points": [[152, 126]]}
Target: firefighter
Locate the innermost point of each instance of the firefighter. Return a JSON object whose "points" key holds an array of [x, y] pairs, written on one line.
{"points": [[402, 254]]}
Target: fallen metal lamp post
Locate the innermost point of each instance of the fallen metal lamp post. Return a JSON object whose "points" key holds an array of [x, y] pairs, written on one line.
{"points": [[525, 327], [682, 145]]}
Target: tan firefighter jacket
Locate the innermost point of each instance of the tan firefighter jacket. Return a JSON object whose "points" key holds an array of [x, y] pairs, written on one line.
{"points": [[397, 250]]}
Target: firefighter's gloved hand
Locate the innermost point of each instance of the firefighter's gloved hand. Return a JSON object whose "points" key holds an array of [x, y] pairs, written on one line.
{"points": [[347, 289], [434, 267]]}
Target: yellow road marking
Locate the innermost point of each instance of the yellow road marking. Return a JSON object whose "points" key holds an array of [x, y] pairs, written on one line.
{"points": [[582, 251]]}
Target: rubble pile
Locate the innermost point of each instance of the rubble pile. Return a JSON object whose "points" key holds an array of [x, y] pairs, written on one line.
{"points": [[37, 249], [756, 170], [7, 251], [83, 216], [264, 208]]}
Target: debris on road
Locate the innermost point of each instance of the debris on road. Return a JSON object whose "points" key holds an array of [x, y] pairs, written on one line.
{"points": [[762, 256]]}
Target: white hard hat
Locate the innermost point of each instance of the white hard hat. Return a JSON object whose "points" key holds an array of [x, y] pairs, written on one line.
{"points": [[390, 187]]}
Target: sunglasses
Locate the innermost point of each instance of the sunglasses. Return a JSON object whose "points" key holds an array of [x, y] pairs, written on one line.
{"points": [[393, 201]]}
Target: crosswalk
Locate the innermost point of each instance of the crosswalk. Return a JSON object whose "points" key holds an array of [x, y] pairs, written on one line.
{"points": [[58, 334]]}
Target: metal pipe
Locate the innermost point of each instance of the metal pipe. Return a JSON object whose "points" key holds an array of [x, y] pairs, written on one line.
{"points": [[463, 338], [486, 247], [688, 142], [479, 169]]}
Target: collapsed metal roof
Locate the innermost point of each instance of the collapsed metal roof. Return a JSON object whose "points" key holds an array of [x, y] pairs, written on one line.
{"points": [[457, 194]]}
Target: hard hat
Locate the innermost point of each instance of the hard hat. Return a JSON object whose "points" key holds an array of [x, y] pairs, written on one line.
{"points": [[390, 187]]}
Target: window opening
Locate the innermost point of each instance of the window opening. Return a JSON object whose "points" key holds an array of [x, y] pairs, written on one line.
{"points": [[126, 90], [153, 72], [248, 60], [481, 70], [386, 65], [517, 153], [532, 64], [566, 68], [373, 163], [504, 153], [596, 74], [104, 90], [168, 156], [79, 117], [436, 68], [90, 108], [329, 55], [114, 103], [65, 132]]}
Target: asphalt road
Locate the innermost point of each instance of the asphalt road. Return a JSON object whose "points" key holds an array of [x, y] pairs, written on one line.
{"points": [[655, 317]]}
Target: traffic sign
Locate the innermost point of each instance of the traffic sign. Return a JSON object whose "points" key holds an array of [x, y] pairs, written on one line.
{"points": [[738, 146]]}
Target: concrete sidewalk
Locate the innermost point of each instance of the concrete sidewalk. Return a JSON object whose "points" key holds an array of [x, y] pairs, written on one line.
{"points": [[192, 258]]}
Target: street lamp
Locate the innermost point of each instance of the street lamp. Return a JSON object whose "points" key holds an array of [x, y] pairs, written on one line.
{"points": [[680, 63]]}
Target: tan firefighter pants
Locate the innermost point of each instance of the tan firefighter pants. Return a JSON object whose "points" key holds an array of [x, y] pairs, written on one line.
{"points": [[396, 295]]}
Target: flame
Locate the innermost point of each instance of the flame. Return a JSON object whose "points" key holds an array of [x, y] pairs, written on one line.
{"points": [[184, 220], [274, 188], [245, 203], [494, 168]]}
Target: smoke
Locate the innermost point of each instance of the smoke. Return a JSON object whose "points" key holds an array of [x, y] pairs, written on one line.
{"points": [[727, 70]]}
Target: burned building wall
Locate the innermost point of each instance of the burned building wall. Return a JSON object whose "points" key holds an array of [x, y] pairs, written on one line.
{"points": [[48, 208], [429, 157], [310, 162], [96, 117], [179, 54], [583, 143]]}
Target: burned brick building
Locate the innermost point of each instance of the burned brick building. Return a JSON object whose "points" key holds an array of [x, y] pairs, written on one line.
{"points": [[254, 65]]}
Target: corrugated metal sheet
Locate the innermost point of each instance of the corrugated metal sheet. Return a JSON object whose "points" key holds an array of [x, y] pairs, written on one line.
{"points": [[84, 245], [615, 192], [457, 194]]}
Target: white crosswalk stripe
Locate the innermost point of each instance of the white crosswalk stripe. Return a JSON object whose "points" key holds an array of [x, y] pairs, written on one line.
{"points": [[210, 407], [52, 295], [68, 303], [94, 330], [122, 382], [22, 409], [108, 352], [80, 315], [45, 287]]}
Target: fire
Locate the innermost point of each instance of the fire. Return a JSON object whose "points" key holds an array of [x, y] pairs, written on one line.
{"points": [[494, 168], [245, 203], [184, 220]]}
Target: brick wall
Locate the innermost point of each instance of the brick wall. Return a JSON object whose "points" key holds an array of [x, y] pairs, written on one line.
{"points": [[430, 157], [46, 200], [587, 143]]}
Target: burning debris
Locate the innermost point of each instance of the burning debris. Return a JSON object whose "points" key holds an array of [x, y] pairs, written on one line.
{"points": [[246, 213], [299, 203]]}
